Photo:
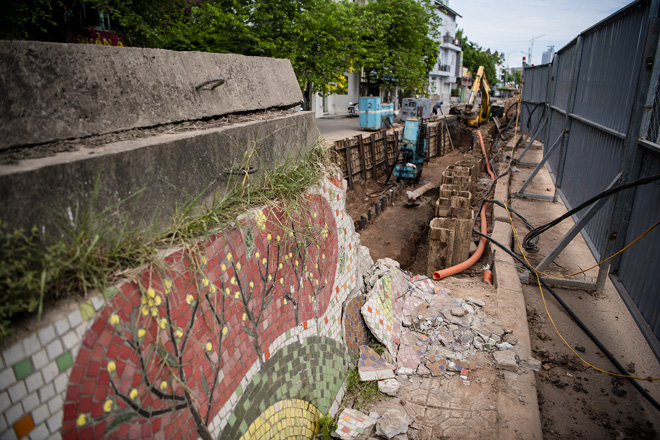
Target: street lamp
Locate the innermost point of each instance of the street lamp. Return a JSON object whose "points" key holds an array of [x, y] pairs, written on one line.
{"points": [[531, 49]]}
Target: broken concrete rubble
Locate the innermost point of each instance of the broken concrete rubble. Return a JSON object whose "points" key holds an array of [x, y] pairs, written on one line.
{"points": [[392, 423], [505, 360], [424, 330], [389, 386]]}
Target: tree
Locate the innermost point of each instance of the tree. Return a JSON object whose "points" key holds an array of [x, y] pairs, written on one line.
{"points": [[398, 44], [475, 56]]}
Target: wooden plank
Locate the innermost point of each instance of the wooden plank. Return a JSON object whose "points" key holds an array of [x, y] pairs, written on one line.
{"points": [[363, 165], [373, 155]]}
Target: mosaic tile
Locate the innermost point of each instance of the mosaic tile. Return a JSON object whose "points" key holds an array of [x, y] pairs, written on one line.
{"points": [[372, 366], [23, 368], [353, 424], [408, 357], [356, 332]]}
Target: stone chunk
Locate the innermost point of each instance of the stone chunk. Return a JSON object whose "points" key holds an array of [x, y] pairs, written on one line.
{"points": [[530, 364], [458, 311], [505, 360], [389, 386], [392, 423]]}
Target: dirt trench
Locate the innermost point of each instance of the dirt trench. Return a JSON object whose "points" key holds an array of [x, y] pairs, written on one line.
{"points": [[401, 231]]}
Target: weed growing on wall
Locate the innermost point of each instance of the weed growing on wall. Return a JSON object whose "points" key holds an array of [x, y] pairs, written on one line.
{"points": [[91, 250]]}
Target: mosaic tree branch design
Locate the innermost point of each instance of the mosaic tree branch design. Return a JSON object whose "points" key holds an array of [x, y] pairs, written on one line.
{"points": [[169, 349]]}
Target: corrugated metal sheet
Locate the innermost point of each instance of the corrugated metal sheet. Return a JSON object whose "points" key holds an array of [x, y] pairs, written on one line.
{"points": [[606, 86], [555, 127], [639, 264], [534, 92], [593, 159], [564, 60]]}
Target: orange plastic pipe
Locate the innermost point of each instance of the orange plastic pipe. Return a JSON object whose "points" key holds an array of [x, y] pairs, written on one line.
{"points": [[444, 273]]}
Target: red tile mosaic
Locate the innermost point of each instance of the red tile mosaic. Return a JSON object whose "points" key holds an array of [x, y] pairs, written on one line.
{"points": [[191, 327]]}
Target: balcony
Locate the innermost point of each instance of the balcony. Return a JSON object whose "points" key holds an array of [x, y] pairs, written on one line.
{"points": [[444, 68], [451, 41]]}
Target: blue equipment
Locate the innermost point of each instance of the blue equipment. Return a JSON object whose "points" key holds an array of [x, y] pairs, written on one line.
{"points": [[373, 114], [413, 151]]}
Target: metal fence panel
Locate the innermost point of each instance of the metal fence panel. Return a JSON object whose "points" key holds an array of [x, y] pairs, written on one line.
{"points": [[606, 86], [593, 160], [564, 60], [609, 78], [535, 91], [555, 127], [639, 264]]}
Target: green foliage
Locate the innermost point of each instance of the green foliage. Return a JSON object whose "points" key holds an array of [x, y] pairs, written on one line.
{"points": [[26, 19], [360, 394], [92, 248], [398, 43], [325, 426], [393, 39], [475, 56]]}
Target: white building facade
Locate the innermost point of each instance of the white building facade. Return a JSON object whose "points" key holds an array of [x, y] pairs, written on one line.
{"points": [[444, 76]]}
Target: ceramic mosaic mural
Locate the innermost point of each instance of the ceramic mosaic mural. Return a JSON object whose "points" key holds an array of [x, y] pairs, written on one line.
{"points": [[237, 336]]}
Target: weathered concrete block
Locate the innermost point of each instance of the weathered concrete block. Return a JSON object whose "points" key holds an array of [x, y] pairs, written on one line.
{"points": [[55, 91], [168, 170]]}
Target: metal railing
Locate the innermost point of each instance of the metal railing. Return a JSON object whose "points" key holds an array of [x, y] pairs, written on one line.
{"points": [[596, 108]]}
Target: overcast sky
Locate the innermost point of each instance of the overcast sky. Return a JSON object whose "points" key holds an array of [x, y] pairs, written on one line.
{"points": [[509, 25]]}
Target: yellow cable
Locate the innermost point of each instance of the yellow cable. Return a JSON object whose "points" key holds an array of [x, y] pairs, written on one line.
{"points": [[605, 260], [538, 280]]}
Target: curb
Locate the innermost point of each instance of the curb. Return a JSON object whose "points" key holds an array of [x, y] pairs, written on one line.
{"points": [[518, 407]]}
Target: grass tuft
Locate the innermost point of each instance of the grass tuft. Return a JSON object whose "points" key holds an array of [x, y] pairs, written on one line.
{"points": [[92, 249]]}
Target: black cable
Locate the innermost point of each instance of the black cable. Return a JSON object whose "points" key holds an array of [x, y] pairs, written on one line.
{"points": [[568, 310], [580, 324], [534, 233]]}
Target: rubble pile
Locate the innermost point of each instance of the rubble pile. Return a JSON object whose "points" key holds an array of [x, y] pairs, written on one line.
{"points": [[425, 331]]}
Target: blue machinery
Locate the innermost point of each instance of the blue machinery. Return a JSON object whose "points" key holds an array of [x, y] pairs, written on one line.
{"points": [[413, 151], [373, 114]]}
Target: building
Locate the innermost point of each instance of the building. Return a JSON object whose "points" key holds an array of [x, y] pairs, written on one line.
{"points": [[443, 78], [548, 55]]}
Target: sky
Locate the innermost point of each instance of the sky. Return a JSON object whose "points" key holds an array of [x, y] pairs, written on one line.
{"points": [[509, 25]]}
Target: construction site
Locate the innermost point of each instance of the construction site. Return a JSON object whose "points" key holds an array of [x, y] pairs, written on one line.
{"points": [[486, 274]]}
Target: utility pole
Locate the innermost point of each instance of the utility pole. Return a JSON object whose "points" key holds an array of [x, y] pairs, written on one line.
{"points": [[531, 49]]}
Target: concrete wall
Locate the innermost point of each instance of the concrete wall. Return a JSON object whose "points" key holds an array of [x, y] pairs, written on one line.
{"points": [[57, 91], [234, 338], [167, 170]]}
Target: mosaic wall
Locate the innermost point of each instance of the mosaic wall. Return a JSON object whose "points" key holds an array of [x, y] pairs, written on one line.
{"points": [[356, 332], [238, 336]]}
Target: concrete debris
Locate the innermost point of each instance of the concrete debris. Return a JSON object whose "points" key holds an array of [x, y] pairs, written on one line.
{"points": [[475, 301], [505, 360], [525, 276], [392, 423], [426, 331], [365, 262], [389, 387], [374, 415], [530, 364], [508, 337]]}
